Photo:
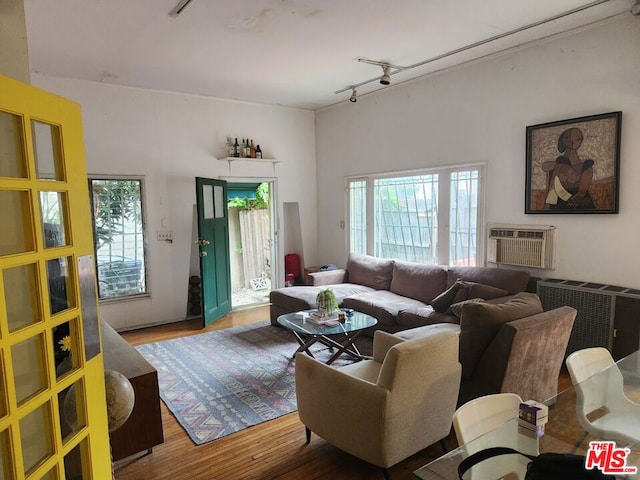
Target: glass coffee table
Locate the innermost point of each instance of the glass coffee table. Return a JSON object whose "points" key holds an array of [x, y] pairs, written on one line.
{"points": [[341, 336]]}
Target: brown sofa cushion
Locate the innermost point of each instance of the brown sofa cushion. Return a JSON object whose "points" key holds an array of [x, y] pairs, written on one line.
{"points": [[480, 322], [370, 271], [513, 281], [382, 305], [418, 281]]}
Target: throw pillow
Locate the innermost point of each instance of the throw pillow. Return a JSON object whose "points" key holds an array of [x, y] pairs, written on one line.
{"points": [[479, 323], [478, 290], [443, 301], [456, 308]]}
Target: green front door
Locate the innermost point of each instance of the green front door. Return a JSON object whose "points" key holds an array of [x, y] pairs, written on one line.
{"points": [[213, 240]]}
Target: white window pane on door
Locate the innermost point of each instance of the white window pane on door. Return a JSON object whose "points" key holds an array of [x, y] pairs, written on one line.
{"points": [[28, 368], [12, 158], [52, 209], [218, 201], [21, 288], [48, 151], [16, 234], [36, 437], [207, 200], [6, 467], [60, 281]]}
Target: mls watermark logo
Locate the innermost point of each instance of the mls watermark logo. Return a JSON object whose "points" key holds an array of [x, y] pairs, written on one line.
{"points": [[606, 457]]}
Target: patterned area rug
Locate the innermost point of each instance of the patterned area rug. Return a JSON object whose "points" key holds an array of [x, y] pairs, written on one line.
{"points": [[223, 381]]}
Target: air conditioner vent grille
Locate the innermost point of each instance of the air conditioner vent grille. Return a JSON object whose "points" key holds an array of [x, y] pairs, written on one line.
{"points": [[495, 232], [530, 234], [521, 245]]}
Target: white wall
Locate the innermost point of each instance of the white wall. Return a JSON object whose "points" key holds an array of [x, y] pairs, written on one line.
{"points": [[478, 113], [14, 57], [170, 139]]}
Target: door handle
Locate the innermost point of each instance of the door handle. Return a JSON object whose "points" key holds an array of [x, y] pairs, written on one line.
{"points": [[202, 242], [203, 254]]}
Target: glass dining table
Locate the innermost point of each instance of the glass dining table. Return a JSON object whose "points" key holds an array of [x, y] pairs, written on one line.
{"points": [[563, 432]]}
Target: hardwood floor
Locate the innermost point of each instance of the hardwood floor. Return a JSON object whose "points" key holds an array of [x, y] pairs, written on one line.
{"points": [[272, 450]]}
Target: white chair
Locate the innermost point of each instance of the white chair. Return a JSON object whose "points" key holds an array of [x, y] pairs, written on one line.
{"points": [[600, 387], [483, 414], [493, 413]]}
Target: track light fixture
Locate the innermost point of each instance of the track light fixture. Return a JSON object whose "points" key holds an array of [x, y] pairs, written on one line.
{"points": [[635, 9], [386, 72], [177, 10], [385, 79], [354, 97]]}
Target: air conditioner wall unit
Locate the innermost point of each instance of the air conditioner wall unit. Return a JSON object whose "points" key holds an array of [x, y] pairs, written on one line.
{"points": [[522, 245]]}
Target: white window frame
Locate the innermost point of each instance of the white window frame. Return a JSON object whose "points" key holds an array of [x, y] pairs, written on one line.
{"points": [[145, 268], [444, 205]]}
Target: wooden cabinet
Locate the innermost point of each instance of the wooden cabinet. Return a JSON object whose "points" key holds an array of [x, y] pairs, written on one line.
{"points": [[143, 429]]}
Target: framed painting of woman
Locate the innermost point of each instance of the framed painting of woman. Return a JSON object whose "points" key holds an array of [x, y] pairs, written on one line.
{"points": [[573, 165]]}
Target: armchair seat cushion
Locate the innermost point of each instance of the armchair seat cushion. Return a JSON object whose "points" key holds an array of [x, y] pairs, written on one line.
{"points": [[428, 330]]}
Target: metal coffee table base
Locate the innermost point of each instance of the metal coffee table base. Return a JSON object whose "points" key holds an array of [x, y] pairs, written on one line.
{"points": [[347, 346]]}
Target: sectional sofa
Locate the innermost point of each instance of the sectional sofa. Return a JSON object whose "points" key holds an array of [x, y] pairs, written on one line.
{"points": [[401, 295], [507, 343]]}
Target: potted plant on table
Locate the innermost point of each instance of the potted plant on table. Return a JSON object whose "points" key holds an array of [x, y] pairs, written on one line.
{"points": [[327, 301]]}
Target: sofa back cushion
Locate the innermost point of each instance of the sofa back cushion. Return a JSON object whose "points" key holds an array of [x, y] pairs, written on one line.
{"points": [[369, 271], [513, 281], [480, 322], [418, 281]]}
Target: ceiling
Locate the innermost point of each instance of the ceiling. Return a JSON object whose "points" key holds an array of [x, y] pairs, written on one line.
{"points": [[294, 53]]}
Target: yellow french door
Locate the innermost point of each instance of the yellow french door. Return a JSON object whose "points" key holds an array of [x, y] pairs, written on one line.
{"points": [[53, 417]]}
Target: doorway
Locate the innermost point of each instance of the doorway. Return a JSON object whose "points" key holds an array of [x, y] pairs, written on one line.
{"points": [[251, 242]]}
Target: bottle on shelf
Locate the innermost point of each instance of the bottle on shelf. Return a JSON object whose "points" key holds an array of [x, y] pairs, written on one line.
{"points": [[236, 148], [258, 152], [230, 147], [252, 149], [247, 149]]}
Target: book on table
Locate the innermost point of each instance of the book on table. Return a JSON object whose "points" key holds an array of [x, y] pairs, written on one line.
{"points": [[322, 318]]}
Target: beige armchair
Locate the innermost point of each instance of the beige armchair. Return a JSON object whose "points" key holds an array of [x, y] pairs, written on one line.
{"points": [[385, 409]]}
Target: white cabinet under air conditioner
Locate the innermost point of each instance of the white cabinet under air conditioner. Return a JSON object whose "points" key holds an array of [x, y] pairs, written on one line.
{"points": [[521, 245]]}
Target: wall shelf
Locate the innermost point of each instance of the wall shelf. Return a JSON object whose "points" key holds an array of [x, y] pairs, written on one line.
{"points": [[230, 160], [245, 159]]}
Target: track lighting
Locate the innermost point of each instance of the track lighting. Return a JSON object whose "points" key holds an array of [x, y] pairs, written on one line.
{"points": [[354, 97], [635, 9], [385, 79]]}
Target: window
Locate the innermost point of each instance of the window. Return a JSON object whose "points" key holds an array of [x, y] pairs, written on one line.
{"points": [[119, 236], [427, 217]]}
